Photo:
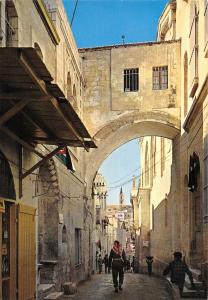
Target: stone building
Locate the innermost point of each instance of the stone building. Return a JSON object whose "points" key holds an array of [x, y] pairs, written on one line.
{"points": [[182, 209], [120, 92], [100, 220], [153, 201], [42, 195], [158, 90]]}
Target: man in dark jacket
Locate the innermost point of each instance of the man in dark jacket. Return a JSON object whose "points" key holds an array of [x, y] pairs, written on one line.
{"points": [[118, 259], [178, 269], [149, 261], [106, 262]]}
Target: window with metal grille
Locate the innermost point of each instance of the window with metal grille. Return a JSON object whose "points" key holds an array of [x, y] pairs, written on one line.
{"points": [[131, 80], [160, 78]]}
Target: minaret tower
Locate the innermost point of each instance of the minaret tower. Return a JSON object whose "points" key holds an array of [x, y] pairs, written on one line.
{"points": [[121, 198]]}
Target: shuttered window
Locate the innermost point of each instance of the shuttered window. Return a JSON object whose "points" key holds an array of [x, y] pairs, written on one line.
{"points": [[160, 78], [131, 80], [26, 253]]}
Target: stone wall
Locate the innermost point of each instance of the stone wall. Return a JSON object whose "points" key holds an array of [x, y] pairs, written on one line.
{"points": [[103, 70], [59, 197]]}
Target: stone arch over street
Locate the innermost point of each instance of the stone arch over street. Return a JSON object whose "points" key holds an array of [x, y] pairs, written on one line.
{"points": [[116, 111], [128, 126]]}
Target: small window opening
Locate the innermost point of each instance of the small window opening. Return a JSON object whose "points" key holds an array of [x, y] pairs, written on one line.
{"points": [[64, 234], [131, 80]]}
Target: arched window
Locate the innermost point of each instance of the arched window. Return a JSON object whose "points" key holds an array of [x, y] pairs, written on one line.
{"points": [[164, 30], [7, 189], [64, 234], [69, 86], [74, 92], [38, 50], [185, 83]]}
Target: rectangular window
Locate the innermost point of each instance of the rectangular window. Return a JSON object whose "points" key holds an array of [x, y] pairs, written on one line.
{"points": [[131, 80], [160, 78], [206, 180], [77, 246], [98, 215]]}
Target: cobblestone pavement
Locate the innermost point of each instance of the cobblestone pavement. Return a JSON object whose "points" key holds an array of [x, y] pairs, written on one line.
{"points": [[136, 287]]}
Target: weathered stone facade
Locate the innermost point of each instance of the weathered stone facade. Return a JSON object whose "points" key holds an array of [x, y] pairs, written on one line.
{"points": [[114, 116], [178, 215], [92, 80], [56, 193]]}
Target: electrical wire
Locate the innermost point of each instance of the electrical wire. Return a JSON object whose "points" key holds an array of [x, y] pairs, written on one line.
{"points": [[73, 15], [140, 175], [137, 169], [159, 161]]}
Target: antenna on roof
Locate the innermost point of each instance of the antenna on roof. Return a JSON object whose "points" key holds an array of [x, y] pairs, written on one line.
{"points": [[123, 39]]}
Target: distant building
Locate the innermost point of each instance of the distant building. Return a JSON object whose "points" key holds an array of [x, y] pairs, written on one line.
{"points": [[120, 218], [99, 233]]}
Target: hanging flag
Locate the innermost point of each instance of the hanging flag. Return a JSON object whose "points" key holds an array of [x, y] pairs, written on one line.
{"points": [[62, 151], [64, 155]]}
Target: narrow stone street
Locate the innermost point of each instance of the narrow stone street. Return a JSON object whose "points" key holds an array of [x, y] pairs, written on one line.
{"points": [[136, 286]]}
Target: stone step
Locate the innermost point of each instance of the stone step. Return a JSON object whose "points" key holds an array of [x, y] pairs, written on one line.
{"points": [[55, 296], [196, 274], [187, 293], [70, 288], [197, 283], [44, 289]]}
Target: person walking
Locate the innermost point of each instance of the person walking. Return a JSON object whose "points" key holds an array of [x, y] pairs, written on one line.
{"points": [[178, 269], [128, 265], [117, 259], [133, 265], [106, 261], [100, 264], [149, 261]]}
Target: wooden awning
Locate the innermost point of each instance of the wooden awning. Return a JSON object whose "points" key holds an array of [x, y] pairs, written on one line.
{"points": [[31, 107]]}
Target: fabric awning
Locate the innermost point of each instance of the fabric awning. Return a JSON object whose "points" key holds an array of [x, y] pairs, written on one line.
{"points": [[48, 117]]}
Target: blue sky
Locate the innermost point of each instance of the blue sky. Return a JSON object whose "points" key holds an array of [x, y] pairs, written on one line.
{"points": [[119, 169], [103, 22]]}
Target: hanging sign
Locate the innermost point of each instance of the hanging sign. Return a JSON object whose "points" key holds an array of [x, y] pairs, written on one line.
{"points": [[120, 216]]}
